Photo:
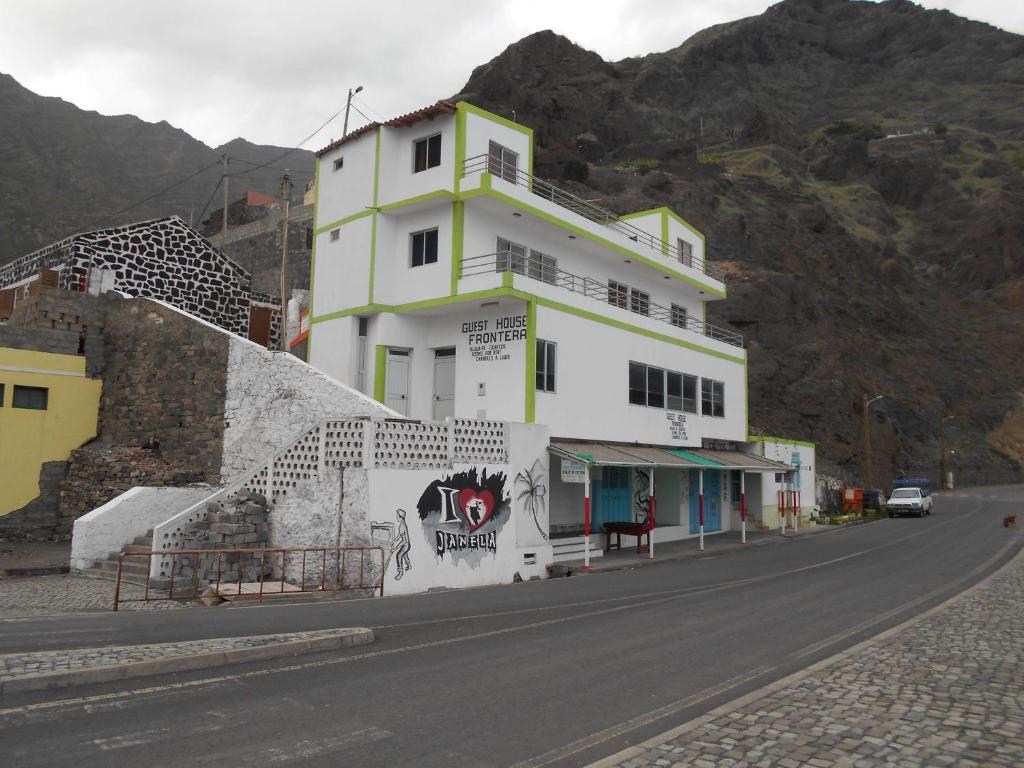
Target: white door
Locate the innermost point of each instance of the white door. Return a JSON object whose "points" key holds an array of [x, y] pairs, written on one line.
{"points": [[397, 390], [444, 383]]}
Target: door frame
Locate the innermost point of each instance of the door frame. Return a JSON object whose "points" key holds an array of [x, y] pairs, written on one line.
{"points": [[449, 359], [403, 353]]}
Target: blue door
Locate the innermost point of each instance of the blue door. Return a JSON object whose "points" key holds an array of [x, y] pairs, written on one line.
{"points": [[712, 500], [612, 501]]}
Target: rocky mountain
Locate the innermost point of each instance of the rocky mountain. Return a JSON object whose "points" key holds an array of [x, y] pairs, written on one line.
{"points": [[857, 168], [66, 170]]}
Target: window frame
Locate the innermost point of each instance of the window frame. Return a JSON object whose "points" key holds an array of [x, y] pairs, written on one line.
{"points": [[685, 248], [679, 316], [546, 365], [498, 165], [542, 266], [335, 235], [639, 302], [2, 392], [412, 247], [428, 153], [339, 163], [686, 382], [618, 294], [712, 398], [19, 389]]}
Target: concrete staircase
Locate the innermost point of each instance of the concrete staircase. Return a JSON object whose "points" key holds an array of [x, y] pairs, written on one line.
{"points": [[134, 569]]}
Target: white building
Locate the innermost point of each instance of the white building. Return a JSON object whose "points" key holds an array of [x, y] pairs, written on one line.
{"points": [[448, 281]]}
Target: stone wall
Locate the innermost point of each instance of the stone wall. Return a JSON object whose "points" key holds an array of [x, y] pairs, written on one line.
{"points": [[96, 474], [164, 385], [257, 248], [38, 520], [69, 321]]}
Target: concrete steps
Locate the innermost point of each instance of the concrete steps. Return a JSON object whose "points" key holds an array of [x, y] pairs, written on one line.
{"points": [[133, 570]]}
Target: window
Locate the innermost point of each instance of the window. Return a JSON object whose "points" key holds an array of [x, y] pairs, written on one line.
{"points": [[34, 398], [658, 388], [502, 162], [674, 391], [1, 395], [712, 398], [424, 247], [618, 294], [545, 365], [335, 234], [542, 267], [511, 257], [339, 163], [685, 252], [637, 383], [689, 393], [426, 153], [677, 316], [639, 301]]}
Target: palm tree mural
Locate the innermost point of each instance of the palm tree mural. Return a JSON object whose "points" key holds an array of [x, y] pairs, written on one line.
{"points": [[531, 491]]}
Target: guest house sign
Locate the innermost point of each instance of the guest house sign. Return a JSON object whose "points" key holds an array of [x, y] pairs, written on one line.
{"points": [[489, 340]]}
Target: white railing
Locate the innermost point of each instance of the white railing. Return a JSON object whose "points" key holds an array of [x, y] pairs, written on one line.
{"points": [[340, 443], [511, 173], [528, 265]]}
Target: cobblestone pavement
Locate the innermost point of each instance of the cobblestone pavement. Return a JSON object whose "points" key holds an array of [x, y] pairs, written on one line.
{"points": [[947, 690], [47, 595], [17, 665]]}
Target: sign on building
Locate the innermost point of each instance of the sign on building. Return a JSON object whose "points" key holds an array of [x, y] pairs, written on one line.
{"points": [[573, 471]]}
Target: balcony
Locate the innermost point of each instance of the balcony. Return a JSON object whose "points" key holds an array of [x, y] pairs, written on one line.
{"points": [[511, 173], [528, 265]]}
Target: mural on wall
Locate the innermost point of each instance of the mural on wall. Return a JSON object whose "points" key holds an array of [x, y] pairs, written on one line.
{"points": [[641, 494], [395, 542], [463, 513], [532, 492]]}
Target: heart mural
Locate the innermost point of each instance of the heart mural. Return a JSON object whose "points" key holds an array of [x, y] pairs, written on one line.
{"points": [[476, 507]]}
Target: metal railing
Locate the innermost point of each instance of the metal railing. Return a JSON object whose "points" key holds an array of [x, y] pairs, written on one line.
{"points": [[530, 266], [253, 573], [511, 173]]}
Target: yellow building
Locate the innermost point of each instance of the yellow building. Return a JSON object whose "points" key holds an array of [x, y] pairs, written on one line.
{"points": [[47, 409]]}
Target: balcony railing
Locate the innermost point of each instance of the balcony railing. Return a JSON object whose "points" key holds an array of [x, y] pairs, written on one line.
{"points": [[543, 269], [511, 173]]}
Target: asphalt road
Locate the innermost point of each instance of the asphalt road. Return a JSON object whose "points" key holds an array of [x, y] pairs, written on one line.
{"points": [[560, 672]]}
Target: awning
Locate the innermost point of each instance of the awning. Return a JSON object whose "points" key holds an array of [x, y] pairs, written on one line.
{"points": [[616, 455]]}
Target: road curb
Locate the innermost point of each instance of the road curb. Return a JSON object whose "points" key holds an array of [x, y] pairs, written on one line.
{"points": [[654, 742], [49, 570], [336, 639]]}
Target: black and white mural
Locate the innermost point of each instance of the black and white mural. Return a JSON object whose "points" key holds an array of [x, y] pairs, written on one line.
{"points": [[463, 513]]}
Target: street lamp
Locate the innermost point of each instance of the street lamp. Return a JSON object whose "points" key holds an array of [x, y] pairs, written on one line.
{"points": [[943, 456], [348, 106], [869, 471]]}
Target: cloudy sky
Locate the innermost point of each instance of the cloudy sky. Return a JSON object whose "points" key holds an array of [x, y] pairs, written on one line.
{"points": [[273, 72]]}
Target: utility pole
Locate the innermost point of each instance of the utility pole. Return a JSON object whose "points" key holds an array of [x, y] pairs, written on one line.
{"points": [[224, 182], [943, 457], [348, 106], [869, 470], [285, 188]]}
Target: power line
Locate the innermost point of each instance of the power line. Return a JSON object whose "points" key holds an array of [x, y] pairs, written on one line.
{"points": [[297, 146], [209, 200], [363, 102]]}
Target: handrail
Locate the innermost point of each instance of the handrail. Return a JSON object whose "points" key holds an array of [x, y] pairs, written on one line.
{"points": [[527, 265], [511, 173]]}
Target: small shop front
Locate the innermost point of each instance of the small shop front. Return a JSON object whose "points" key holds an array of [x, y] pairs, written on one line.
{"points": [[601, 492]]}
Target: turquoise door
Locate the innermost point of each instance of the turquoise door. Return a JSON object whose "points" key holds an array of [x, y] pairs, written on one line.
{"points": [[712, 500], [693, 478], [612, 502]]}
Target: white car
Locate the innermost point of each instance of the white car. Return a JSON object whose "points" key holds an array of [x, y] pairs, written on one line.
{"points": [[910, 501]]}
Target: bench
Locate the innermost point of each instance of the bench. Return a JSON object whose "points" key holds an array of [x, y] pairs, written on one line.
{"points": [[628, 529]]}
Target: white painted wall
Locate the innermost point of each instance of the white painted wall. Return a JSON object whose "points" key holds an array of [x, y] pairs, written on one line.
{"points": [[396, 281], [348, 190], [592, 383], [514, 529], [113, 526], [342, 276], [272, 397], [397, 179], [480, 131]]}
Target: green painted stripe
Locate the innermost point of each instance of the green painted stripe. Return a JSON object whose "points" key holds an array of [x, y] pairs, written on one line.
{"points": [[373, 254], [458, 236], [530, 413], [781, 440], [438, 194], [696, 459], [664, 211], [465, 106], [380, 368], [528, 297], [343, 221], [664, 233]]}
